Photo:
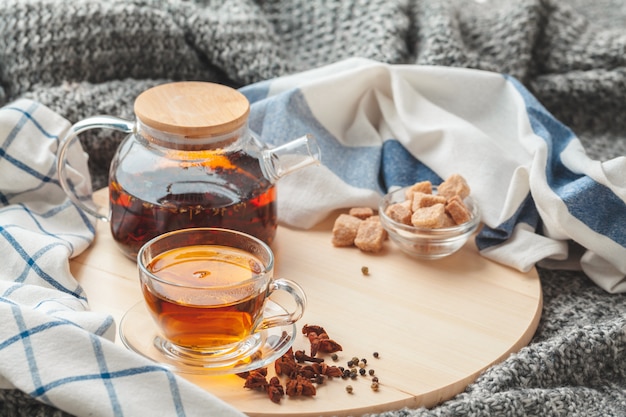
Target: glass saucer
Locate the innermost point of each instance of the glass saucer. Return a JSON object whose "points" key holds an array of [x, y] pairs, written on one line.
{"points": [[139, 333]]}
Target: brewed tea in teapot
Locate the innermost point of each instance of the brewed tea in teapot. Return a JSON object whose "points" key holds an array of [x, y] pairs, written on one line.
{"points": [[190, 161]]}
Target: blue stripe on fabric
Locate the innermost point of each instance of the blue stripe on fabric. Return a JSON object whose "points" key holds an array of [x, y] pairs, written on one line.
{"points": [[400, 168], [178, 404], [35, 267], [370, 167], [33, 261], [43, 177], [284, 117], [8, 291], [26, 117], [42, 230], [82, 214], [104, 375], [526, 213], [257, 91], [106, 325], [51, 213], [23, 334], [42, 389], [61, 238], [28, 347], [26, 333], [29, 116], [590, 202], [102, 365]]}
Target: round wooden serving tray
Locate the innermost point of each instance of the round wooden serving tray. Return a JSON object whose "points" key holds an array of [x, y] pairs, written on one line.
{"points": [[436, 324]]}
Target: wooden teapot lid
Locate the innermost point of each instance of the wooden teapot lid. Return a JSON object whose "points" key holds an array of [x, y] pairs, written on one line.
{"points": [[192, 108]]}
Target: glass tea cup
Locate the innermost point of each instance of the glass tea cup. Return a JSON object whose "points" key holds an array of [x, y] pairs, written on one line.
{"points": [[206, 289]]}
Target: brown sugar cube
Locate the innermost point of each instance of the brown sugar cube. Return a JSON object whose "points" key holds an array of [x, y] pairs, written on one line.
{"points": [[454, 185], [400, 212], [425, 187], [426, 200], [361, 212], [416, 199], [345, 230], [449, 221], [432, 217], [370, 236], [376, 218], [457, 209]]}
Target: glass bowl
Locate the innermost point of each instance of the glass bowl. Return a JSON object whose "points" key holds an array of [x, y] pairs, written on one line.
{"points": [[427, 243]]}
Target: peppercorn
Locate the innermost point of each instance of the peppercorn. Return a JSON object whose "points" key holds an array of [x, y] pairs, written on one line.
{"points": [[334, 357], [375, 354], [349, 389], [362, 371], [375, 379], [365, 270], [362, 364], [371, 372], [374, 386]]}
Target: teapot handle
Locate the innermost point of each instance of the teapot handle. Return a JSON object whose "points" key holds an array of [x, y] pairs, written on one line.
{"points": [[106, 122]]}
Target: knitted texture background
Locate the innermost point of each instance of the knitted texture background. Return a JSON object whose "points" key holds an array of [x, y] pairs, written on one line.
{"points": [[89, 57]]}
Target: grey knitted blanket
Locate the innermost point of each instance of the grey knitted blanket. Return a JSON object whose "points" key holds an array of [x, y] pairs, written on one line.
{"points": [[88, 57]]}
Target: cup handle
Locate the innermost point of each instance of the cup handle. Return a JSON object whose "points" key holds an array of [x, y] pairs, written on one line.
{"points": [[106, 122], [299, 297]]}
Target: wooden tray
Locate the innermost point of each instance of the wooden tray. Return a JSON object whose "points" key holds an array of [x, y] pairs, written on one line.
{"points": [[436, 324]]}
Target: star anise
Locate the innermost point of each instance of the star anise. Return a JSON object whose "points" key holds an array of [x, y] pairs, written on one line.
{"points": [[257, 379], [275, 390], [322, 343], [332, 371], [302, 371], [286, 364], [300, 386], [308, 328]]}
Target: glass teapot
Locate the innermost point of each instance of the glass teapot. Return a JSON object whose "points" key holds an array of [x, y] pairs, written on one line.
{"points": [[189, 161]]}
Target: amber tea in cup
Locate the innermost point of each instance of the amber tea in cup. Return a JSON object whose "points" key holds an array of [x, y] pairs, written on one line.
{"points": [[206, 289]]}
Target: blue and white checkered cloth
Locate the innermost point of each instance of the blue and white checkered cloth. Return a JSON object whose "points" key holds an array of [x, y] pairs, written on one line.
{"points": [[51, 346], [379, 126]]}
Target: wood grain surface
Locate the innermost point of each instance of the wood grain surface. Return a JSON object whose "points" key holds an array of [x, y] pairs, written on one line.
{"points": [[436, 324]]}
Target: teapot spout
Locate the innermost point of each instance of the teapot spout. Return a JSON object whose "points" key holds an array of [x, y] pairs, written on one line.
{"points": [[290, 157]]}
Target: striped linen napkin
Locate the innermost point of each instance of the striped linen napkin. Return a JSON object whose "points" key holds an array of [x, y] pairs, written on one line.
{"points": [[543, 200], [51, 346]]}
